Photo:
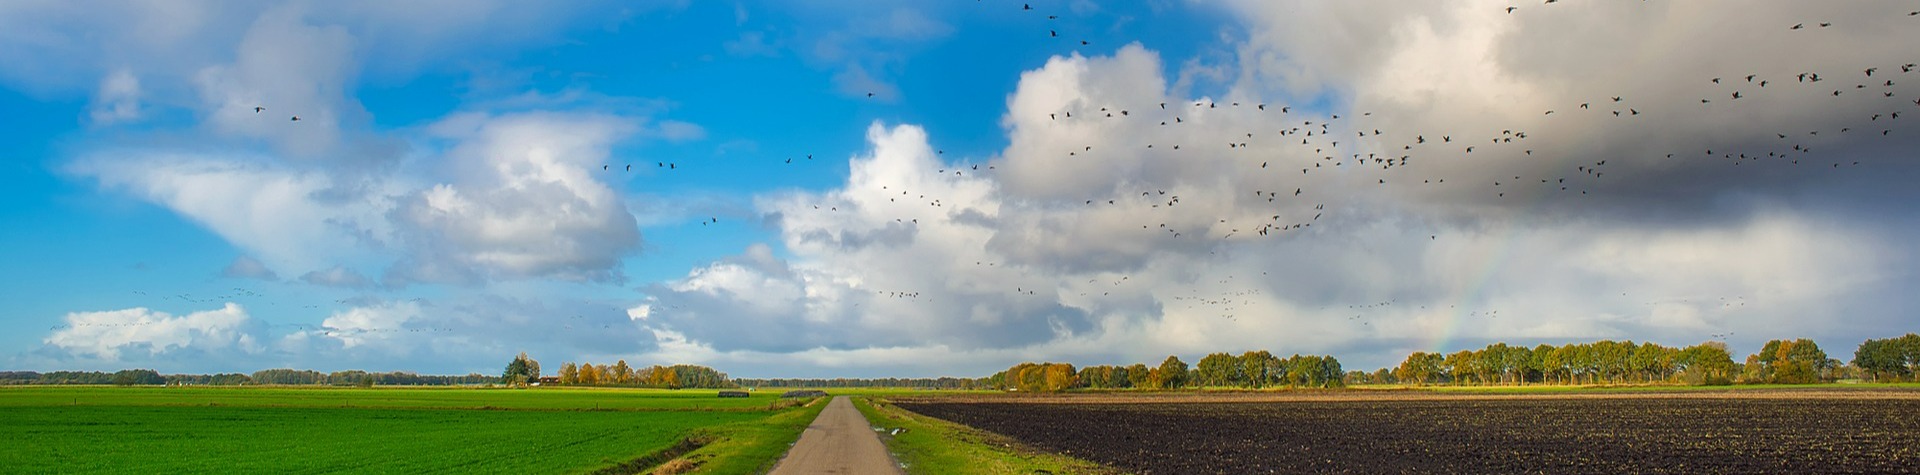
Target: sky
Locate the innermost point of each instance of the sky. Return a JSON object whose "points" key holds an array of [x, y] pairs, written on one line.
{"points": [[916, 189]]}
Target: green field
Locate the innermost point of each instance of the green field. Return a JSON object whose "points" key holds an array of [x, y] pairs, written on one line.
{"points": [[569, 399], [312, 430]]}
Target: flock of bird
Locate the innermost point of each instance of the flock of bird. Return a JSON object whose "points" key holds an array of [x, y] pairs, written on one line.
{"points": [[1315, 145], [1295, 157]]}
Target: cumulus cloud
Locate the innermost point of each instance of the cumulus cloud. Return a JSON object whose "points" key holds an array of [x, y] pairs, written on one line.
{"points": [[1092, 238], [1322, 199], [1475, 72], [522, 201], [464, 333], [143, 334], [882, 263]]}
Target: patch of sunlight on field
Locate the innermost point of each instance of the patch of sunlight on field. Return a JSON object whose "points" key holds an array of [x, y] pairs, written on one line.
{"points": [[308, 430]]}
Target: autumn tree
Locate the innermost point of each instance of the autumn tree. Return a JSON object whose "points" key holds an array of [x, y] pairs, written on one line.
{"points": [[1218, 370], [588, 374], [569, 373], [663, 377], [1058, 377], [622, 374], [1172, 374], [1797, 361]]}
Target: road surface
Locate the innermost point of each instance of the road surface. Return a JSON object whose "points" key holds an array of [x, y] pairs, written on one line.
{"points": [[838, 442]]}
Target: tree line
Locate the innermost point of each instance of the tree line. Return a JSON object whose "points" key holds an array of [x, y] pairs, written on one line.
{"points": [[1604, 361], [664, 377], [911, 383], [1250, 370], [1795, 361]]}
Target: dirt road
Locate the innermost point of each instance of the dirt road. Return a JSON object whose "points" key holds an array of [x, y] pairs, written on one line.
{"points": [[840, 442]]}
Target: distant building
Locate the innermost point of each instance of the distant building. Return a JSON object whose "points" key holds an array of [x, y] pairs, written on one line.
{"points": [[548, 380]]}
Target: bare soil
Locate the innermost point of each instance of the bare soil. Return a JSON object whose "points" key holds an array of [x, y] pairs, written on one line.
{"points": [[1816, 432]]}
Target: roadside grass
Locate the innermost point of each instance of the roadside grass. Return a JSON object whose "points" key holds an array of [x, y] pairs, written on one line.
{"points": [[929, 446], [66, 429], [753, 446]]}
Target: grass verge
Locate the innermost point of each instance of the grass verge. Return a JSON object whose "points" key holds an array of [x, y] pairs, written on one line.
{"points": [[929, 446], [752, 446]]}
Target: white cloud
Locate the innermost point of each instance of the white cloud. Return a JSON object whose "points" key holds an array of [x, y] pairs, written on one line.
{"points": [[523, 201], [385, 324], [281, 215], [291, 68], [1089, 237], [140, 333]]}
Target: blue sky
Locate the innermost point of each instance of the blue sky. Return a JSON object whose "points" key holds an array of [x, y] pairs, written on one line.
{"points": [[442, 203]]}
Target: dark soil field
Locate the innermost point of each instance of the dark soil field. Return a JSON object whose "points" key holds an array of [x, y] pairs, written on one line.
{"points": [[1798, 434]]}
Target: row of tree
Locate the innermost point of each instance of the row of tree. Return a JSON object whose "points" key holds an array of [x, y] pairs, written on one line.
{"points": [[1796, 361], [1793, 361], [1253, 369], [621, 374], [912, 383], [363, 378], [123, 377], [1604, 361]]}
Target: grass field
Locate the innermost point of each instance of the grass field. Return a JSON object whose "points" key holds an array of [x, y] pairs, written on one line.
{"points": [[312, 430], [569, 399]]}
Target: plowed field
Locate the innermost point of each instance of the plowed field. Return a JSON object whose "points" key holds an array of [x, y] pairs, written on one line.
{"points": [[1467, 435]]}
